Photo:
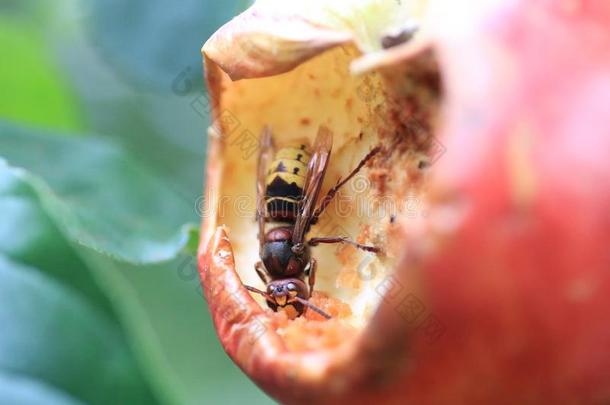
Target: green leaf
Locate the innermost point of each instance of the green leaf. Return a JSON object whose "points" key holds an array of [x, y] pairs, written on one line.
{"points": [[95, 191], [162, 128], [37, 313], [30, 237], [160, 306], [19, 390], [152, 40], [39, 94], [137, 70], [137, 67], [175, 338]]}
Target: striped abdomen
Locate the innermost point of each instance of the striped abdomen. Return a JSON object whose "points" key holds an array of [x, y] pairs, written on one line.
{"points": [[285, 181]]}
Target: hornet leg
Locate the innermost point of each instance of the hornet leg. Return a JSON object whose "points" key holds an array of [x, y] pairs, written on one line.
{"points": [[313, 264], [262, 272], [257, 291], [340, 239], [331, 193]]}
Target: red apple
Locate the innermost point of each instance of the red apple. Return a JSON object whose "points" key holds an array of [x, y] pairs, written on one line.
{"points": [[494, 119]]}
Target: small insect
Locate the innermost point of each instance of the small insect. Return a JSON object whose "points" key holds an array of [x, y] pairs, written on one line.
{"points": [[287, 190]]}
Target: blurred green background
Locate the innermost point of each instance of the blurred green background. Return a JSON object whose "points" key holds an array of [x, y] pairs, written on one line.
{"points": [[102, 151]]}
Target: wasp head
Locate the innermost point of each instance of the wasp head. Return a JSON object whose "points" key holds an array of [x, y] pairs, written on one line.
{"points": [[285, 291]]}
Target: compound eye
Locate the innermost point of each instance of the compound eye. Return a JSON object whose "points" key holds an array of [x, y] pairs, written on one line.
{"points": [[292, 290]]}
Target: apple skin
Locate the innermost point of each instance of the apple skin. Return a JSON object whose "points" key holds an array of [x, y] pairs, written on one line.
{"points": [[514, 255], [522, 285]]}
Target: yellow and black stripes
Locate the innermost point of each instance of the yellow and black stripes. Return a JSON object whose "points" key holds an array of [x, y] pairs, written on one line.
{"points": [[285, 181]]}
